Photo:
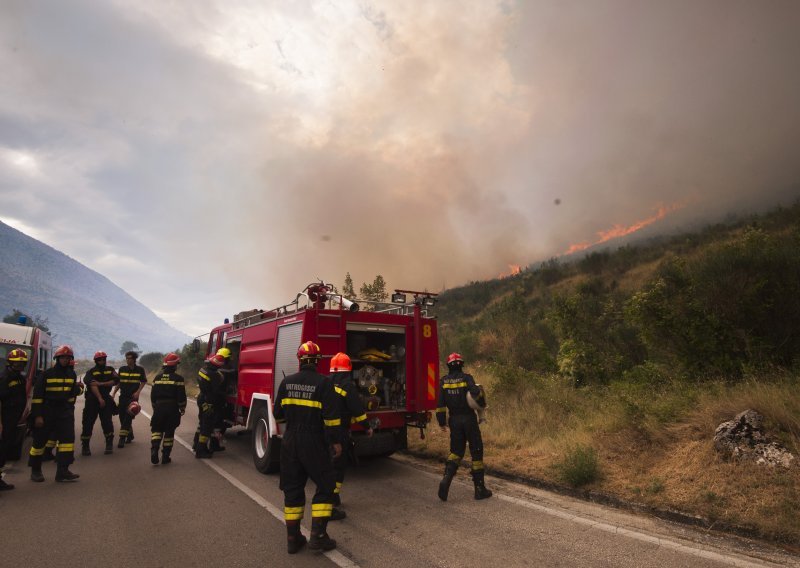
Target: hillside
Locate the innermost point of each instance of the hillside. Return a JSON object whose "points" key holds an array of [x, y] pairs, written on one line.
{"points": [[608, 374], [82, 307]]}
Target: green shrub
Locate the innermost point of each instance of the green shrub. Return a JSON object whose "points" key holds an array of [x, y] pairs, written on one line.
{"points": [[579, 466]]}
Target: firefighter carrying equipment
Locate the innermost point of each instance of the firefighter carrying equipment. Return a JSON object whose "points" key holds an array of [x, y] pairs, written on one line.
{"points": [[134, 408]]}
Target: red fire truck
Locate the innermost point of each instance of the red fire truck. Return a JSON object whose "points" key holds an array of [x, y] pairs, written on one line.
{"points": [[393, 346], [39, 347]]}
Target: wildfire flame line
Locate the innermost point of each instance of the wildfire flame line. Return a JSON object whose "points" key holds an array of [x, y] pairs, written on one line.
{"points": [[620, 231], [513, 269]]}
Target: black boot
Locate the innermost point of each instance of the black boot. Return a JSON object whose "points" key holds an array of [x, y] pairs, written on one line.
{"points": [[165, 459], [154, 452], [480, 489], [5, 486], [48, 454], [64, 474], [319, 536], [130, 437], [337, 514], [202, 451], [109, 444], [85, 451], [294, 538], [121, 443], [194, 442], [450, 468], [36, 474], [215, 445]]}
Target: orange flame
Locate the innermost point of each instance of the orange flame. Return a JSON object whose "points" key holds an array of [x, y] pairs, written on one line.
{"points": [[513, 270], [620, 231]]}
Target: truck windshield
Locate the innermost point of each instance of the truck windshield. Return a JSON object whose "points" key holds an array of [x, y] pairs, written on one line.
{"points": [[5, 348]]}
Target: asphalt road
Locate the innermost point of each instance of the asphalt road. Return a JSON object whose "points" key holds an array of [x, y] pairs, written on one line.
{"points": [[221, 512]]}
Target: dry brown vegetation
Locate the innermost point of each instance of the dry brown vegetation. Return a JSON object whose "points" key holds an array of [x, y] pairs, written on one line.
{"points": [[653, 443]]}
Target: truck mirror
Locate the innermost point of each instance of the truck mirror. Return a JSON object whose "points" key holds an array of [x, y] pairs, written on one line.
{"points": [[195, 345]]}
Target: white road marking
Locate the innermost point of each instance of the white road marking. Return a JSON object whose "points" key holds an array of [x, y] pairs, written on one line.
{"points": [[636, 535], [333, 555]]}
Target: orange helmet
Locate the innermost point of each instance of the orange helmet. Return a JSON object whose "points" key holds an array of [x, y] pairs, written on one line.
{"points": [[134, 408], [309, 351], [100, 355], [17, 356], [217, 360], [64, 351], [341, 363], [171, 359], [455, 359]]}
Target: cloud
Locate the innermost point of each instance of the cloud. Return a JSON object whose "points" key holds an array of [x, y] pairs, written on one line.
{"points": [[209, 158]]}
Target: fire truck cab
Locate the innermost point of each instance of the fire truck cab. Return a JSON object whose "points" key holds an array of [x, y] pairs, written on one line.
{"points": [[393, 347], [39, 347]]}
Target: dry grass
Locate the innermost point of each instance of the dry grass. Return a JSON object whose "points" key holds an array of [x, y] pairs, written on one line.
{"points": [[654, 443]]}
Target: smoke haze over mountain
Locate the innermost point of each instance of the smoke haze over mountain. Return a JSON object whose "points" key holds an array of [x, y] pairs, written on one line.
{"points": [[213, 157]]}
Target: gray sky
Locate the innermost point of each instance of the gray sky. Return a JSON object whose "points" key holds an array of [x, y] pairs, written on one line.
{"points": [[211, 157]]}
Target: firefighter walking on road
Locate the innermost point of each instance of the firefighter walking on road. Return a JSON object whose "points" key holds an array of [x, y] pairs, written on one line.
{"points": [[53, 414], [12, 405], [463, 425], [351, 410], [99, 380], [306, 402], [132, 379], [212, 394], [168, 397]]}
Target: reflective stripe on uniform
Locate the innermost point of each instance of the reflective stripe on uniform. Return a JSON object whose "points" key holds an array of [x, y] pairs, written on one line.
{"points": [[301, 402], [65, 448], [321, 510], [340, 390], [334, 422], [293, 513], [454, 385], [358, 418]]}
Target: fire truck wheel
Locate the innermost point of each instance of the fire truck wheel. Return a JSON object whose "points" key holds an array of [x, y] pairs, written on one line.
{"points": [[266, 448]]}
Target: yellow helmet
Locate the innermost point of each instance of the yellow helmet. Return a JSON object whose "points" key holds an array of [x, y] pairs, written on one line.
{"points": [[17, 356], [224, 352]]}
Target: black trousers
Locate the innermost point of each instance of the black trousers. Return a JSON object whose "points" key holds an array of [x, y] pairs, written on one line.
{"points": [[464, 430], [59, 425], [304, 455], [91, 411], [11, 410], [166, 419], [340, 464], [125, 419]]}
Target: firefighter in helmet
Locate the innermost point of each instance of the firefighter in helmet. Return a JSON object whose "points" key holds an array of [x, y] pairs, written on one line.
{"points": [[168, 397], [132, 379], [463, 425], [53, 414], [99, 380], [212, 395], [306, 403], [352, 412], [12, 406], [221, 403]]}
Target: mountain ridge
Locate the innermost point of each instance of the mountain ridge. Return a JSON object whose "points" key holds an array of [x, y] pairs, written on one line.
{"points": [[83, 308]]}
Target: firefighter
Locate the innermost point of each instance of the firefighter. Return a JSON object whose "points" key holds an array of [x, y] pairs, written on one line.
{"points": [[221, 403], [168, 397], [212, 394], [352, 412], [132, 379], [99, 380], [306, 403], [12, 406], [463, 425], [53, 414]]}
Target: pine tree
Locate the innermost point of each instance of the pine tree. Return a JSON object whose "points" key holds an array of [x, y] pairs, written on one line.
{"points": [[347, 290]]}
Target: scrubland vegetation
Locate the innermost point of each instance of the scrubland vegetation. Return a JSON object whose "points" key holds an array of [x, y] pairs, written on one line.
{"points": [[612, 372]]}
